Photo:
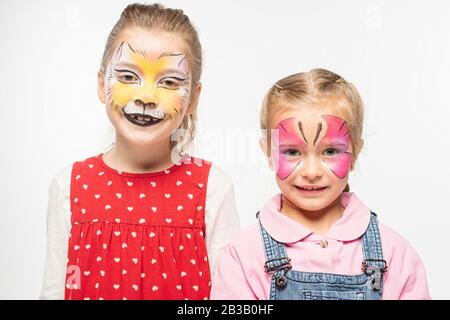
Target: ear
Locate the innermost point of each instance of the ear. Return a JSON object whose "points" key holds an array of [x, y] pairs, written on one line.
{"points": [[264, 147], [195, 95], [101, 86]]}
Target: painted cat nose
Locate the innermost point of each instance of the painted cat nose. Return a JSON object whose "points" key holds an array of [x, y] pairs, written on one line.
{"points": [[151, 105]]}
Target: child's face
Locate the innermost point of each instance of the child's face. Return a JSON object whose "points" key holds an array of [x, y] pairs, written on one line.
{"points": [[311, 152], [148, 85]]}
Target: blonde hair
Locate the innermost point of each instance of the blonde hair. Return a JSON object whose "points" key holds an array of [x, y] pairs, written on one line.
{"points": [[310, 87], [157, 17]]}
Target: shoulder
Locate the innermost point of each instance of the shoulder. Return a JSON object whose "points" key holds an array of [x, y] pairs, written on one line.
{"points": [[396, 247], [247, 242], [218, 179], [62, 178]]}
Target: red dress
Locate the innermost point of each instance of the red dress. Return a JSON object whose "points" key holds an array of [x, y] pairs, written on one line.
{"points": [[138, 236]]}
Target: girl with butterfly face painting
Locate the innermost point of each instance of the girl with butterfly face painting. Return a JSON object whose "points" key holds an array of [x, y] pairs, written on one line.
{"points": [[316, 240], [143, 220]]}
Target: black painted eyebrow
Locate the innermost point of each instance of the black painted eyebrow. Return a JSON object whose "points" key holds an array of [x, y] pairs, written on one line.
{"points": [[319, 129], [300, 126], [169, 54]]}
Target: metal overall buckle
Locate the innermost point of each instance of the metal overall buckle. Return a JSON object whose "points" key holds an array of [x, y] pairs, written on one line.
{"points": [[375, 273], [280, 279]]}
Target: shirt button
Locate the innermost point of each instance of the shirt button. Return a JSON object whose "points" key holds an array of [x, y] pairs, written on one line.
{"points": [[323, 243]]}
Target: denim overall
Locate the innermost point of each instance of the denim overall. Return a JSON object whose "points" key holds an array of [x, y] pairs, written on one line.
{"points": [[288, 284]]}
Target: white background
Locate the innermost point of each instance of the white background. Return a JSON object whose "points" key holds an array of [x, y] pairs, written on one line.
{"points": [[397, 53]]}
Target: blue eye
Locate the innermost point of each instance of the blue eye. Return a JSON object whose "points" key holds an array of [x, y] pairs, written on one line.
{"points": [[329, 152], [291, 152]]}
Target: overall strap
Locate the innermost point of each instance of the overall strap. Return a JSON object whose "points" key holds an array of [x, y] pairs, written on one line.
{"points": [[277, 260], [374, 263]]}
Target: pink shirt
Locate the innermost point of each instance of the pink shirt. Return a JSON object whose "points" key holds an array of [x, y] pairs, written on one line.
{"points": [[240, 273]]}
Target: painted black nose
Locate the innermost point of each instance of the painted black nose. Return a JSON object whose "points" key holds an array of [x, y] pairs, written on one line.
{"points": [[150, 105]]}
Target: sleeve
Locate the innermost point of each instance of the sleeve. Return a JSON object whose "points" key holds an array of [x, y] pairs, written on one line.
{"points": [[222, 219], [230, 281], [406, 277], [58, 227]]}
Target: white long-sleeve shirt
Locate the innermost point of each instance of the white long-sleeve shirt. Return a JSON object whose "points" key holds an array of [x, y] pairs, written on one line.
{"points": [[221, 219]]}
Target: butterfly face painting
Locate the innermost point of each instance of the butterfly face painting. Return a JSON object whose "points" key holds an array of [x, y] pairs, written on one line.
{"points": [[330, 145]]}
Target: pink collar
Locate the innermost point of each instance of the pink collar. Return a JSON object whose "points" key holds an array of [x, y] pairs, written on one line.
{"points": [[350, 226]]}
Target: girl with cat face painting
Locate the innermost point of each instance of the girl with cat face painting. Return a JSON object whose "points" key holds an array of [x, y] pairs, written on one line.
{"points": [[143, 220], [316, 240]]}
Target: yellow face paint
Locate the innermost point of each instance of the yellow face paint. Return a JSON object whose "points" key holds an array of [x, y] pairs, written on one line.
{"points": [[153, 88]]}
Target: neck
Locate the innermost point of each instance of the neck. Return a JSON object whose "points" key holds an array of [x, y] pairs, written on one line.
{"points": [[128, 157], [319, 221]]}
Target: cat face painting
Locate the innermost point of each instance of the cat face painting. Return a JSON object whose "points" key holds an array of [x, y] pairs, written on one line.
{"points": [[147, 86], [148, 90]]}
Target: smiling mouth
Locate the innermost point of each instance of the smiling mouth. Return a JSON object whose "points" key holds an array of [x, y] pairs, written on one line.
{"points": [[143, 120], [310, 189]]}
